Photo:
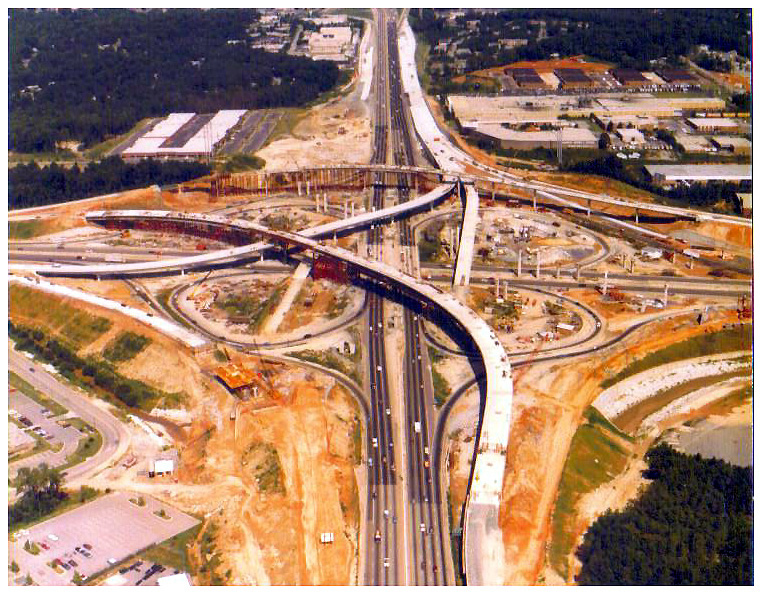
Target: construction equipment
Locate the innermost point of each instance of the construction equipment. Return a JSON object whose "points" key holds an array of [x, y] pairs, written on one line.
{"points": [[518, 373], [744, 309], [192, 294]]}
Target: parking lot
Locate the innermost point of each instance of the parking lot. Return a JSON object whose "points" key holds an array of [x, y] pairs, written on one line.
{"points": [[95, 536], [55, 431], [140, 573]]}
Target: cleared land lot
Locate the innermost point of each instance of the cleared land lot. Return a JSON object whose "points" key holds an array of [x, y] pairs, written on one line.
{"points": [[113, 526]]}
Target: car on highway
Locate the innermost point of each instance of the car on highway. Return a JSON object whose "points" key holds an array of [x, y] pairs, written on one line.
{"points": [[375, 443], [422, 527], [386, 563], [377, 536]]}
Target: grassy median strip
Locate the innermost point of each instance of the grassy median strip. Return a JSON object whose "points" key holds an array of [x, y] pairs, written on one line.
{"points": [[17, 382]]}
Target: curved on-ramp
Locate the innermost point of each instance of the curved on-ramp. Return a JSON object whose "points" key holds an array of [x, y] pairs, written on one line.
{"points": [[482, 535]]}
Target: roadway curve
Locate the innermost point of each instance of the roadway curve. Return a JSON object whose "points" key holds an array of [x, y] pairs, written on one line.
{"points": [[116, 438]]}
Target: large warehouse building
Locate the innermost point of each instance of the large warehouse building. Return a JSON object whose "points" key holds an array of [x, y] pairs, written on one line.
{"points": [[518, 140], [184, 136], [672, 174]]}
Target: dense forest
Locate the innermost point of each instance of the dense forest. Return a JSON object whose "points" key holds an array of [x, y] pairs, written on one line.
{"points": [[693, 525], [629, 37], [86, 75], [31, 185]]}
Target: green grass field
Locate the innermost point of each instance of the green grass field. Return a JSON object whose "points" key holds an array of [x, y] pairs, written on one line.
{"points": [[125, 347], [68, 324], [726, 340], [25, 229], [595, 457], [174, 551]]}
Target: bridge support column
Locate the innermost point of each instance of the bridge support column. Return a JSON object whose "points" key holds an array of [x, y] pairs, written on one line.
{"points": [[352, 209], [665, 295], [605, 284], [266, 186], [307, 181], [534, 196], [520, 256], [538, 263], [557, 271], [589, 207], [578, 273], [496, 287], [316, 203], [346, 209], [298, 186], [636, 215], [325, 202]]}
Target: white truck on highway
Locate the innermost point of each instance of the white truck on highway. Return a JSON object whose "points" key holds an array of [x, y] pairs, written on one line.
{"points": [[417, 427], [117, 259]]}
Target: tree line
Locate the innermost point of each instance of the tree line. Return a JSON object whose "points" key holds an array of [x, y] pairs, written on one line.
{"points": [[87, 75], [90, 371], [32, 185], [693, 525], [630, 37]]}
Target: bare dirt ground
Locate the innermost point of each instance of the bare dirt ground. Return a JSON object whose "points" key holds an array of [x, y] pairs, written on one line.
{"points": [[336, 132], [270, 537], [548, 404]]}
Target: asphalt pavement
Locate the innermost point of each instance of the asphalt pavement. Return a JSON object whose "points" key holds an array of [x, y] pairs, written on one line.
{"points": [[116, 437]]}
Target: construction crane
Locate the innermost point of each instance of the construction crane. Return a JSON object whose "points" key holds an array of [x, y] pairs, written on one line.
{"points": [[264, 379], [744, 310], [524, 366], [195, 290]]}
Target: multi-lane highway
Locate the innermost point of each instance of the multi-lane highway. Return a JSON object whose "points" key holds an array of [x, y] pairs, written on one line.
{"points": [[382, 560], [426, 563]]}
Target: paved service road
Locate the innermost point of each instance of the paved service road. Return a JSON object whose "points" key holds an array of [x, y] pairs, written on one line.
{"points": [[116, 438]]}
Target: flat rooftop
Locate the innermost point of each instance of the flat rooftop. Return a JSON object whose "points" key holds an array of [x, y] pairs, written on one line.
{"points": [[572, 75], [235, 376], [701, 172], [628, 75]]}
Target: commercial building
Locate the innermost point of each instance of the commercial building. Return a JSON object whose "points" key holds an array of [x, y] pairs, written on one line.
{"points": [[526, 78], [573, 78], [184, 135], [471, 110], [570, 137], [640, 122], [629, 77], [630, 136], [671, 174], [694, 142], [677, 76], [735, 144], [331, 43], [714, 124]]}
